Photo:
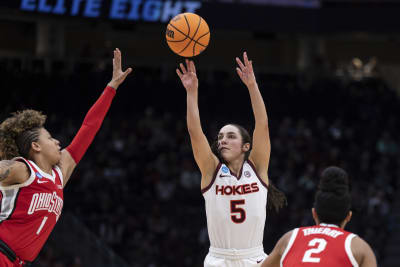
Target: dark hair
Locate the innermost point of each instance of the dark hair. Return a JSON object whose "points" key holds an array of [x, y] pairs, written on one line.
{"points": [[246, 138], [276, 198], [333, 199], [19, 131]]}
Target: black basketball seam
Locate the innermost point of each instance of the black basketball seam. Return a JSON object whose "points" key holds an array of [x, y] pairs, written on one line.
{"points": [[198, 42], [191, 39], [186, 36], [175, 41], [197, 29]]}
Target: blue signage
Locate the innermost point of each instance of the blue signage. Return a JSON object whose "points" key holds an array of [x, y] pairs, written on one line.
{"points": [[144, 10]]}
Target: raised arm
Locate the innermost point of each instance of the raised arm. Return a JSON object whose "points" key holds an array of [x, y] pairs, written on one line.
{"points": [[205, 158], [71, 155], [261, 149]]}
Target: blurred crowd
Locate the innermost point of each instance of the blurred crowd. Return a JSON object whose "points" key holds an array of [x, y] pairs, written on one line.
{"points": [[138, 188]]}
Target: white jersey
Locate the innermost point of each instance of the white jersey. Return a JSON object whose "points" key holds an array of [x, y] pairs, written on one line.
{"points": [[236, 208]]}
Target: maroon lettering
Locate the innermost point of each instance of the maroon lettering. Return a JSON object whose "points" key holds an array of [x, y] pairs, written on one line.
{"points": [[254, 187], [226, 191], [246, 189], [238, 190], [219, 190]]}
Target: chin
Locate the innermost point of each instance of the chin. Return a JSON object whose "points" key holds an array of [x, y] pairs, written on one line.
{"points": [[57, 161], [226, 159]]}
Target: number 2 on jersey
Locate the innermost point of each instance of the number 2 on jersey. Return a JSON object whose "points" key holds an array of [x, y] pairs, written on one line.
{"points": [[321, 246], [238, 214]]}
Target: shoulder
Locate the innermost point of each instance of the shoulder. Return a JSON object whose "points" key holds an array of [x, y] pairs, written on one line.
{"points": [[261, 173], [15, 171], [285, 239], [362, 251]]}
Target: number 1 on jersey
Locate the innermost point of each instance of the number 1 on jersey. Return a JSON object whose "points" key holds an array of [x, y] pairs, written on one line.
{"points": [[241, 216], [41, 225]]}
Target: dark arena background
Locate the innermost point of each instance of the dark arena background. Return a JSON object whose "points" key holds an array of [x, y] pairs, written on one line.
{"points": [[329, 72]]}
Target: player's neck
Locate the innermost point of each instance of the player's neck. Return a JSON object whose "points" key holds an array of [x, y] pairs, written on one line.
{"points": [[44, 165], [235, 166]]}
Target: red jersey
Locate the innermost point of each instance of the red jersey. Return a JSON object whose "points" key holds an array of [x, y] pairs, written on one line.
{"points": [[29, 211], [321, 245]]}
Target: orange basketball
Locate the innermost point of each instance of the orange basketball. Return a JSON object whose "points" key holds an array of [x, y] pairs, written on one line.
{"points": [[187, 34]]}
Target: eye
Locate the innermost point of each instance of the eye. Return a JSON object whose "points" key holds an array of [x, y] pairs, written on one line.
{"points": [[220, 137]]}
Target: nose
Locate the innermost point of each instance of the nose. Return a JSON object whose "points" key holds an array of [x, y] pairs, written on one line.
{"points": [[222, 141]]}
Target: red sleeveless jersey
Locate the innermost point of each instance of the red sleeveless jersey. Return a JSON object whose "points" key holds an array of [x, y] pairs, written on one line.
{"points": [[29, 211], [320, 245]]}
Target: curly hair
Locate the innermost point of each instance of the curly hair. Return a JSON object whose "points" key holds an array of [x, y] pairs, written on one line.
{"points": [[19, 131]]}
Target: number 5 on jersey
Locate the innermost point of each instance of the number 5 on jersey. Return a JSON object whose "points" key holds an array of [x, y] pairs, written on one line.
{"points": [[238, 214]]}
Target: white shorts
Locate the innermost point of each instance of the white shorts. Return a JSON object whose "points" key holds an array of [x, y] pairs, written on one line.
{"points": [[218, 257]]}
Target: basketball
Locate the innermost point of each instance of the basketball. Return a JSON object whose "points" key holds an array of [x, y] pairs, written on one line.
{"points": [[187, 34]]}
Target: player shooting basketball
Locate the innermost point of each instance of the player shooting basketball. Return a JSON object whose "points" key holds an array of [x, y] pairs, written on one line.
{"points": [[234, 180], [34, 170]]}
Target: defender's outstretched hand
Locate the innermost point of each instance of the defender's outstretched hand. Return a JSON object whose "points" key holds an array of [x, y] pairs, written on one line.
{"points": [[245, 71], [118, 75], [188, 76]]}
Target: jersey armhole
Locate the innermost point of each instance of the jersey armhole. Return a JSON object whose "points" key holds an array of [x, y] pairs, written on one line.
{"points": [[28, 181], [289, 245], [58, 170], [257, 175], [349, 252], [205, 189]]}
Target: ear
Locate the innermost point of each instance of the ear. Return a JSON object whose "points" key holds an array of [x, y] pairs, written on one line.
{"points": [[346, 220], [315, 216], [246, 147], [348, 217], [36, 147]]}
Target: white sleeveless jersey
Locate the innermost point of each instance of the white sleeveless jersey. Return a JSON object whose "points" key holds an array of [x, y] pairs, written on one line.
{"points": [[236, 208]]}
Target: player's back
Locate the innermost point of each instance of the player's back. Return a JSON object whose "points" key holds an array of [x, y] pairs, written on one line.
{"points": [[320, 245]]}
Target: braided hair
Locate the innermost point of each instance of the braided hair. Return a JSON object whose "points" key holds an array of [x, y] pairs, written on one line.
{"points": [[333, 199], [18, 132]]}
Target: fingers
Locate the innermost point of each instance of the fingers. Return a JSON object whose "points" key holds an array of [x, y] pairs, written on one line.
{"points": [[188, 65], [240, 63], [117, 59], [183, 68], [126, 73], [193, 67], [179, 73], [239, 72], [246, 60]]}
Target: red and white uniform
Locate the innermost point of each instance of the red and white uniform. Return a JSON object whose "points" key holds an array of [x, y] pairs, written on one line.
{"points": [[236, 213], [321, 245], [29, 211]]}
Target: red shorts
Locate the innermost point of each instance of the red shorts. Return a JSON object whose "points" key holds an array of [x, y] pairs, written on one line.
{"points": [[5, 262]]}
